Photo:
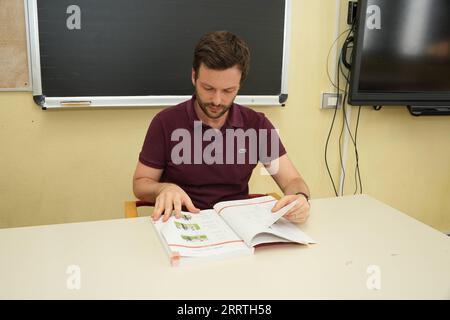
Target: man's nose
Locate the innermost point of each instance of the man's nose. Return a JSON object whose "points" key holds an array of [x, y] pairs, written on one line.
{"points": [[217, 98]]}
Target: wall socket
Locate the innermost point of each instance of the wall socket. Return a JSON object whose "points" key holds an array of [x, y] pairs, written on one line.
{"points": [[329, 100]]}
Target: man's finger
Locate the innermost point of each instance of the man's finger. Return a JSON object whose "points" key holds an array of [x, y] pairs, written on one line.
{"points": [[279, 204], [158, 209], [297, 207], [300, 217], [177, 206], [304, 209], [190, 206], [301, 220], [168, 209]]}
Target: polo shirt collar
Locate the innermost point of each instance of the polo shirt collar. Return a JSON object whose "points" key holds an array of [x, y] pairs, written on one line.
{"points": [[234, 118]]}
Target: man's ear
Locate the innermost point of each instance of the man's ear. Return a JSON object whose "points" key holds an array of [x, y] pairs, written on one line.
{"points": [[193, 77]]}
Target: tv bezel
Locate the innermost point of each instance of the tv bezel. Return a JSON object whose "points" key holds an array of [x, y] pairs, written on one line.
{"points": [[382, 97]]}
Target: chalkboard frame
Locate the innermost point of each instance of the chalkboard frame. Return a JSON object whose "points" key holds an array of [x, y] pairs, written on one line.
{"points": [[47, 102]]}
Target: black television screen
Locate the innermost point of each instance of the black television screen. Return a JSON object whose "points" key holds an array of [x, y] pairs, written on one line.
{"points": [[401, 53]]}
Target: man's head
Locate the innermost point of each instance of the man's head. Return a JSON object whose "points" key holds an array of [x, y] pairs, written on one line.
{"points": [[221, 64], [221, 50]]}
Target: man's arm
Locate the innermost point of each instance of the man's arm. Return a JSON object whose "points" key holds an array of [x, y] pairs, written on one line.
{"points": [[146, 185], [290, 182], [166, 196], [286, 176]]}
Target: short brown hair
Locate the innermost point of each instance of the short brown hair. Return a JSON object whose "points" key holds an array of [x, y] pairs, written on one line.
{"points": [[221, 50]]}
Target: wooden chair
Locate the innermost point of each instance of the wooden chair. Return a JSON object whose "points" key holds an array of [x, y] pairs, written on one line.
{"points": [[131, 206]]}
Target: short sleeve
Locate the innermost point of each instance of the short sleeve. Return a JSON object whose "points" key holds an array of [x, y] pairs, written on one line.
{"points": [[270, 146], [153, 153]]}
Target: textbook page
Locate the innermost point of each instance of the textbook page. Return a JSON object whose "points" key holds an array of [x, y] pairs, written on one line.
{"points": [[200, 235], [252, 216], [282, 231]]}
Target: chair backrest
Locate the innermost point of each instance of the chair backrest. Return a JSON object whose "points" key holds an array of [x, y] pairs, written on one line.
{"points": [[131, 206]]}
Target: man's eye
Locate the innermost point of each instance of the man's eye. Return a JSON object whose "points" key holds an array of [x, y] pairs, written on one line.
{"points": [[209, 89]]}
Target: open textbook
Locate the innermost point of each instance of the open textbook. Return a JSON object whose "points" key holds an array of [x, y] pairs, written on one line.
{"points": [[231, 228]]}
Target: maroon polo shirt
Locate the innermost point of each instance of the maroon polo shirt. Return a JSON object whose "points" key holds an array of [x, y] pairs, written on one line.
{"points": [[209, 165]]}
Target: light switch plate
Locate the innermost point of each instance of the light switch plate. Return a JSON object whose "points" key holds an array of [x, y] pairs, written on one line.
{"points": [[329, 100]]}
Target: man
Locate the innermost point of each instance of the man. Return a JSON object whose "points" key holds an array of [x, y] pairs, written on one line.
{"points": [[190, 156]]}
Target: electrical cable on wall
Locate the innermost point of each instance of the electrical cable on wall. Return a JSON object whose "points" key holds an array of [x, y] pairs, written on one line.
{"points": [[328, 59], [348, 64], [341, 63], [348, 33]]}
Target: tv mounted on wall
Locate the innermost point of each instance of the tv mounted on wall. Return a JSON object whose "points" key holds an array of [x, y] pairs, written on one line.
{"points": [[401, 55]]}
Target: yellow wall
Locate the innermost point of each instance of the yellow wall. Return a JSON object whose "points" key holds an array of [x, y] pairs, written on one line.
{"points": [[405, 162], [65, 166]]}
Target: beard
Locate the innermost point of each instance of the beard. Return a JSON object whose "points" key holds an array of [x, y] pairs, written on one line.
{"points": [[210, 110]]}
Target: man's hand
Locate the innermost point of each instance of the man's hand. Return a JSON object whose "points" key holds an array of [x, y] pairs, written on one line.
{"points": [[172, 197], [299, 213]]}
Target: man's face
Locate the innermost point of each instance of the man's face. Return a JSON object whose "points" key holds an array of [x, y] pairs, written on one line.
{"points": [[216, 89]]}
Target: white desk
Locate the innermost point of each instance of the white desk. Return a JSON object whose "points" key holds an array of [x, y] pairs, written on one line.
{"points": [[124, 259]]}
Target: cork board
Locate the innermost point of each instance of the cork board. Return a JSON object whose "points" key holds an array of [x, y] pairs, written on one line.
{"points": [[14, 69]]}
